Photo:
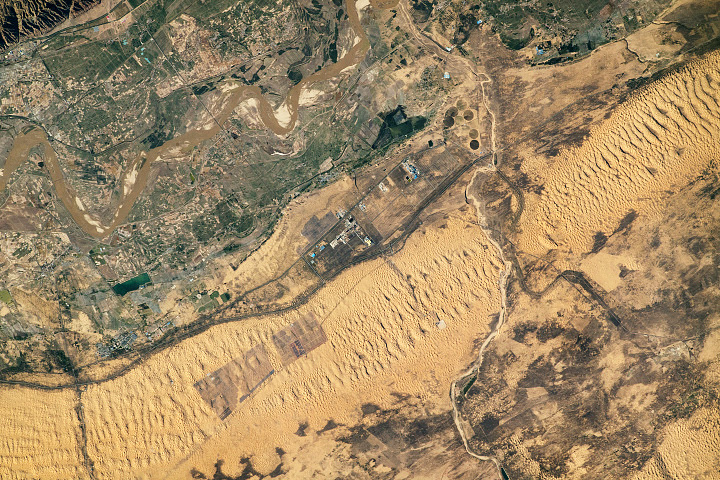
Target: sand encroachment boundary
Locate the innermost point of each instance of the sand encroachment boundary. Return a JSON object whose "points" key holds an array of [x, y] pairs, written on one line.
{"points": [[663, 137], [135, 178]]}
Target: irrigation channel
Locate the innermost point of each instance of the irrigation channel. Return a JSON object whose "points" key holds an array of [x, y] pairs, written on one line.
{"points": [[135, 177]]}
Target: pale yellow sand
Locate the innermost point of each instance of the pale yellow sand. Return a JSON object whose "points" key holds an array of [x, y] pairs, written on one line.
{"points": [[660, 139], [605, 268], [39, 435], [380, 321], [690, 449]]}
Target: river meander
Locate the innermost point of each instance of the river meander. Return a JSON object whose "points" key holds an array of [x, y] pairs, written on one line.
{"points": [[135, 176]]}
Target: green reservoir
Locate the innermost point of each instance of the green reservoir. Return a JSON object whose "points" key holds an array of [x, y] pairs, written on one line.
{"points": [[132, 284]]}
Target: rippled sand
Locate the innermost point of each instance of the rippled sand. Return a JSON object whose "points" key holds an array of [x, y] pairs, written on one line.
{"points": [[39, 435], [657, 141], [380, 318]]}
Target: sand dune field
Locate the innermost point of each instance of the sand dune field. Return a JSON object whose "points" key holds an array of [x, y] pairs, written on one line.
{"points": [[690, 449], [390, 335], [40, 435], [656, 142], [383, 340]]}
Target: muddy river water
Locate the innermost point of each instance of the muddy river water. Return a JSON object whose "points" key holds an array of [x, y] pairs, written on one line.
{"points": [[135, 176]]}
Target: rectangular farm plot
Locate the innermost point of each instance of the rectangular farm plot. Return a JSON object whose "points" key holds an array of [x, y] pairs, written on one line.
{"points": [[436, 164], [419, 189], [377, 200], [299, 338], [227, 387], [279, 293]]}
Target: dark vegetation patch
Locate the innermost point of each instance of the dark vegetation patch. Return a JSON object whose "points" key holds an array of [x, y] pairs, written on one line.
{"points": [[369, 408], [396, 125], [231, 247], [520, 331], [489, 423], [199, 90], [514, 43], [469, 385], [626, 221], [248, 472], [60, 359], [21, 365], [467, 22], [330, 425], [277, 471], [165, 116], [583, 350], [295, 75], [538, 374], [655, 242], [332, 52], [421, 9], [702, 278], [301, 429], [599, 241], [403, 436], [156, 138], [222, 219], [549, 330]]}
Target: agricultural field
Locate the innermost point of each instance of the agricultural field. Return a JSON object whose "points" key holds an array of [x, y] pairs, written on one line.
{"points": [[365, 239]]}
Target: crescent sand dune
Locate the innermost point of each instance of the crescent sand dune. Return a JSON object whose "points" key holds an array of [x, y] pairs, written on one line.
{"points": [[662, 137], [380, 318]]}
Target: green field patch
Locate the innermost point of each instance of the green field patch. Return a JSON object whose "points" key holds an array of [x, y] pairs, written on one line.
{"points": [[205, 302], [396, 125], [207, 306], [469, 384], [22, 251], [6, 297], [98, 253]]}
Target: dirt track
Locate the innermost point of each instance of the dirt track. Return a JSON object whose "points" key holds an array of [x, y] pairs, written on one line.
{"points": [[378, 314]]}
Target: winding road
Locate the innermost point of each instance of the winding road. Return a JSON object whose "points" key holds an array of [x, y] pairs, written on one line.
{"points": [[462, 425]]}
